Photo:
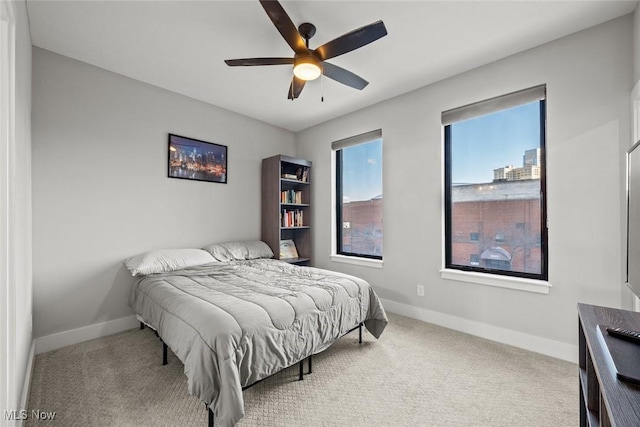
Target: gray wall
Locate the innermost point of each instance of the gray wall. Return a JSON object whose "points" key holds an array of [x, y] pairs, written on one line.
{"points": [[101, 192], [589, 78]]}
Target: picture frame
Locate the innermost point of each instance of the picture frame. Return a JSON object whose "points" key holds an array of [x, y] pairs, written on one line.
{"points": [[196, 160], [288, 249]]}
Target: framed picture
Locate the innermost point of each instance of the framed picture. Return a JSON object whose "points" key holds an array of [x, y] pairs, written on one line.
{"points": [[197, 160], [288, 249]]}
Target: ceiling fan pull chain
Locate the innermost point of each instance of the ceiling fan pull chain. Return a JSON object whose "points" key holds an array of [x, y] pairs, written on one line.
{"points": [[322, 87]]}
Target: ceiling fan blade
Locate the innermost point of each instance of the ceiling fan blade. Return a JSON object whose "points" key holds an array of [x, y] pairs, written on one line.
{"points": [[295, 87], [251, 62], [284, 25], [351, 41], [343, 76]]}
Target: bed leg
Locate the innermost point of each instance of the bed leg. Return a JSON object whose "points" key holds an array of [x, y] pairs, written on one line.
{"points": [[210, 416], [310, 371], [301, 365], [360, 333], [164, 354], [141, 326]]}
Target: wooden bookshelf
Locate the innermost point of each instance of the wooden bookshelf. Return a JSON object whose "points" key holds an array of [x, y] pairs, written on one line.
{"points": [[286, 205]]}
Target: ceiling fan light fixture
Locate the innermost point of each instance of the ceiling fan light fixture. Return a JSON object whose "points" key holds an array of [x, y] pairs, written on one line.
{"points": [[307, 68]]}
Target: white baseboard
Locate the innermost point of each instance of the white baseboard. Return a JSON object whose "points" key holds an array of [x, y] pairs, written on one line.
{"points": [[534, 343], [86, 333], [26, 386]]}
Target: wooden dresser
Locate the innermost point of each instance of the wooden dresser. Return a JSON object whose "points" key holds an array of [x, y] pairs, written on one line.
{"points": [[606, 400]]}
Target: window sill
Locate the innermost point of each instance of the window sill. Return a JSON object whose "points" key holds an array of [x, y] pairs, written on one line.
{"points": [[517, 283], [365, 262]]}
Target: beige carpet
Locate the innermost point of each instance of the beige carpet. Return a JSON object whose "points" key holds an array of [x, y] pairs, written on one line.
{"points": [[417, 374]]}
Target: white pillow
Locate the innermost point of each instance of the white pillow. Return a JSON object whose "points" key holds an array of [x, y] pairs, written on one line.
{"points": [[164, 260], [219, 252], [238, 251]]}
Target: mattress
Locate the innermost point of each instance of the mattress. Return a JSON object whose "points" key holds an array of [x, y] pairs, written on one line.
{"points": [[234, 323]]}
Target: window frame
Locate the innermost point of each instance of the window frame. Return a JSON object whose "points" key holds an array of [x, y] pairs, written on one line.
{"points": [[448, 207], [337, 147]]}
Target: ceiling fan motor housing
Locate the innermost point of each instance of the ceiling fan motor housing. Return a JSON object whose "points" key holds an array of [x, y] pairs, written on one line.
{"points": [[307, 31]]}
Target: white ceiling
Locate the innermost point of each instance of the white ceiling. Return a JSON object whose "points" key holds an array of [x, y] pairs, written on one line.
{"points": [[181, 45]]}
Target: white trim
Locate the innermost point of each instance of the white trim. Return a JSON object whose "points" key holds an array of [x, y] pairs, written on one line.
{"points": [[553, 348], [8, 380], [509, 282], [364, 262], [26, 385], [85, 333]]}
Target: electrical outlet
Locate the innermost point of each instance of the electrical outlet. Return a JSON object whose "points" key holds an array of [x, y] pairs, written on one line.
{"points": [[420, 290]]}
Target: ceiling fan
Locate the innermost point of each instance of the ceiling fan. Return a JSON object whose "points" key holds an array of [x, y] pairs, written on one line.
{"points": [[309, 64]]}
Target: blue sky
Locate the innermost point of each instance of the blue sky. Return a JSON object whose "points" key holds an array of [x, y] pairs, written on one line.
{"points": [[362, 171], [479, 146], [489, 142]]}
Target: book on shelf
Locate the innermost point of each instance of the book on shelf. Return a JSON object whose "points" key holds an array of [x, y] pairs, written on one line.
{"points": [[291, 196], [288, 249], [292, 218], [302, 174]]}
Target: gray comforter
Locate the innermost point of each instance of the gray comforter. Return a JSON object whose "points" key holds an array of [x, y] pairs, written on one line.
{"points": [[234, 323]]}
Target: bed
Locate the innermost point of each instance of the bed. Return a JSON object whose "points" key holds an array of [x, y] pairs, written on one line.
{"points": [[236, 320]]}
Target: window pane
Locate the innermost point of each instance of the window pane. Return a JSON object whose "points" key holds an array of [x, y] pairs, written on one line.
{"points": [[360, 204], [495, 211]]}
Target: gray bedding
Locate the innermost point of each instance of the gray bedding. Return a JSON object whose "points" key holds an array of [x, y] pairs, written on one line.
{"points": [[234, 323]]}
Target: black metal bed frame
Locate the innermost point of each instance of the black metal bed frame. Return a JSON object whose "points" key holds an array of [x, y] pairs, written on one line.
{"points": [[300, 364]]}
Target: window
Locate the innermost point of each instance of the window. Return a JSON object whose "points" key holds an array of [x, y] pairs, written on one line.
{"points": [[495, 176], [359, 195]]}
